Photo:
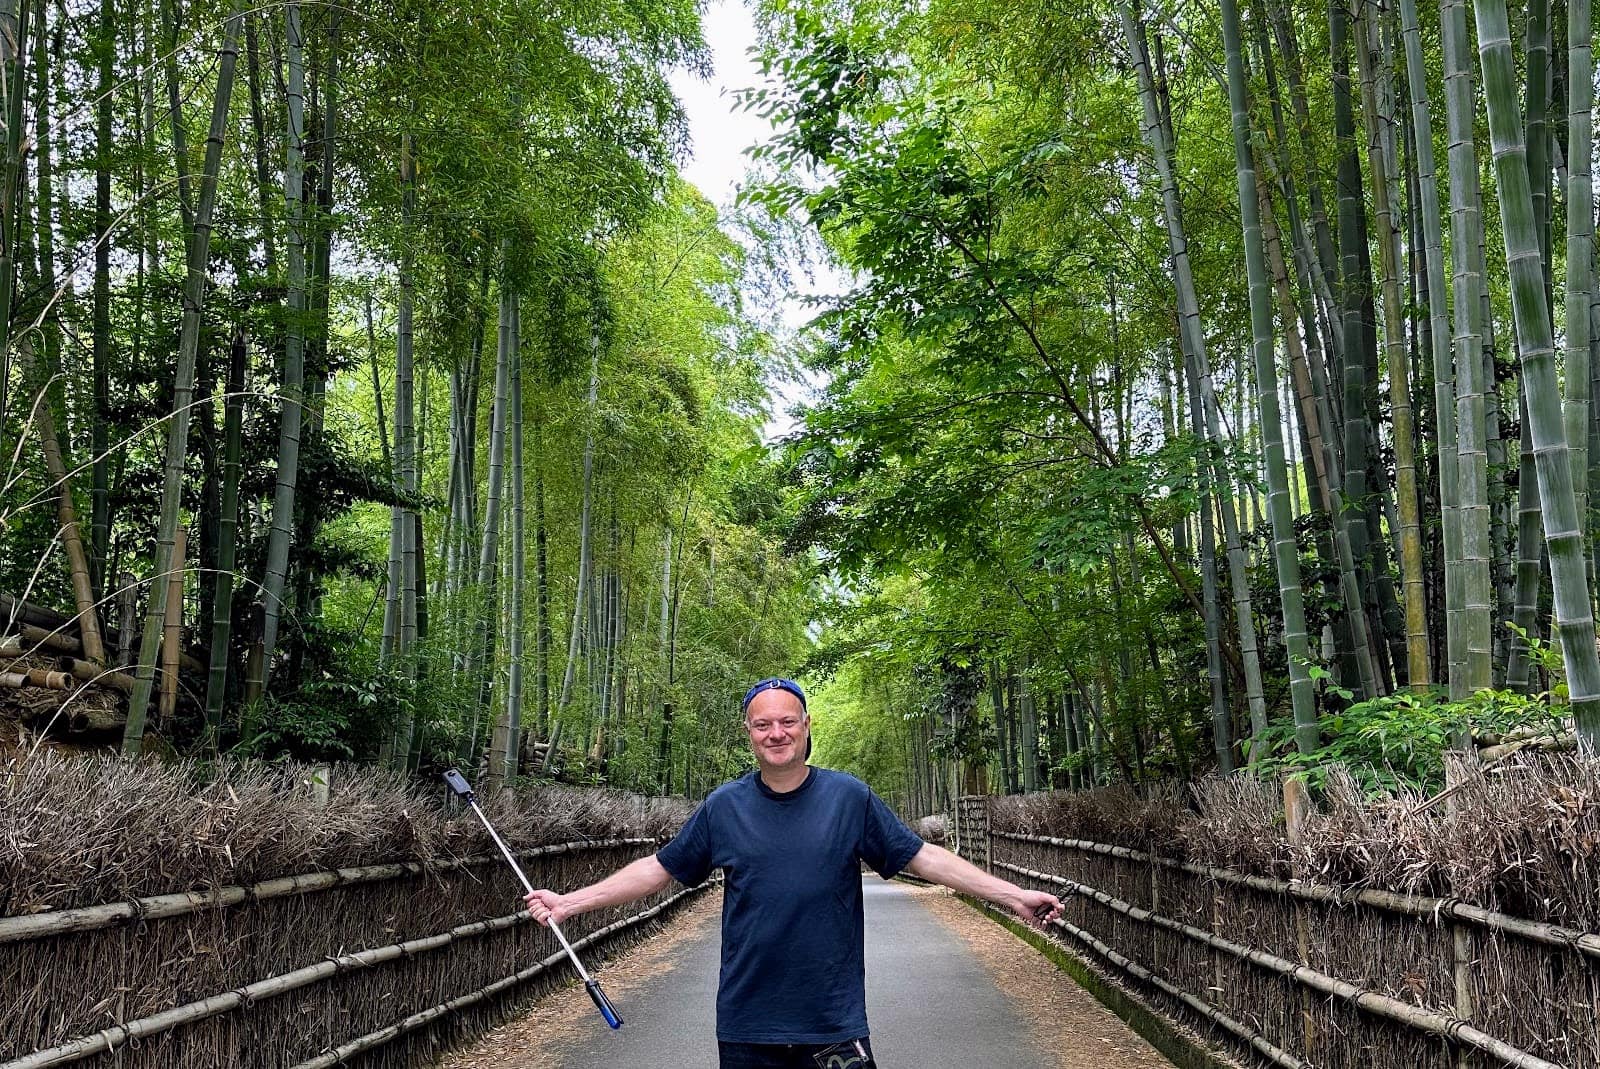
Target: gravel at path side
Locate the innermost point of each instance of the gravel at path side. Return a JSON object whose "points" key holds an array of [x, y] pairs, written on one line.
{"points": [[1064, 1018]]}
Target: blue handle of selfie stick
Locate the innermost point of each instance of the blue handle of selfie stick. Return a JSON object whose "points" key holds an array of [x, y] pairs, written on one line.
{"points": [[603, 1004]]}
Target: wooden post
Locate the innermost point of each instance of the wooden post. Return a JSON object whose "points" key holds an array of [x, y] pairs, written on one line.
{"points": [[1296, 807], [67, 527], [172, 628], [1214, 996], [1461, 949], [319, 780], [1155, 907]]}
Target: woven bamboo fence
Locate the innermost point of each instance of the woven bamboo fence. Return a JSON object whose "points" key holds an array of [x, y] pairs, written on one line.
{"points": [[381, 963], [1292, 970]]}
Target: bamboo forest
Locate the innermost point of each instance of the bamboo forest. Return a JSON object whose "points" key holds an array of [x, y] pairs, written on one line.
{"points": [[1070, 394]]}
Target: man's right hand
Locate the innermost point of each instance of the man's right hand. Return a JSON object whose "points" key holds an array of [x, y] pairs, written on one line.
{"points": [[546, 906]]}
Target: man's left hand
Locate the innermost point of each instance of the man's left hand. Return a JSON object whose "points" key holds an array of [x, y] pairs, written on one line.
{"points": [[1036, 908]]}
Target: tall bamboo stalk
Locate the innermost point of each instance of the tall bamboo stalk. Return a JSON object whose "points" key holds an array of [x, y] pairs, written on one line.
{"points": [[480, 671], [505, 748], [1558, 503], [1221, 721], [541, 564], [1580, 243], [407, 541], [1285, 551], [519, 553], [14, 74], [1530, 556], [1446, 435], [197, 259], [1352, 295], [1466, 230], [1327, 470], [292, 389], [1192, 336], [585, 565], [100, 475], [68, 529], [227, 528], [1410, 533]]}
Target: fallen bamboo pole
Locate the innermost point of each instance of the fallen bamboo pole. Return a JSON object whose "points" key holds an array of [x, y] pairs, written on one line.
{"points": [[342, 1053], [1414, 1017], [1563, 740], [38, 639], [67, 520], [58, 640], [85, 671], [109, 1039], [158, 907], [82, 718], [43, 678], [1391, 901], [89, 672]]}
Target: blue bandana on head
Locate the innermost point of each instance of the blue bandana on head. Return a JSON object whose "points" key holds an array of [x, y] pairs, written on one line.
{"points": [[773, 683]]}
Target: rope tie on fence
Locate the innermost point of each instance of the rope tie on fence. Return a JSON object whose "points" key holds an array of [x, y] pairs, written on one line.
{"points": [[135, 912]]}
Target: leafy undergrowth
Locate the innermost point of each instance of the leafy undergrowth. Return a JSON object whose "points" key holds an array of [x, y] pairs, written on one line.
{"points": [[1399, 741]]}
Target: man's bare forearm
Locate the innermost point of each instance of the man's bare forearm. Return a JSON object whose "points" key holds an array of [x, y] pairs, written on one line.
{"points": [[634, 881], [938, 865]]}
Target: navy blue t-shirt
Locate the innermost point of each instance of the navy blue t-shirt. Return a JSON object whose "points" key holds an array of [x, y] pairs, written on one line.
{"points": [[793, 968]]}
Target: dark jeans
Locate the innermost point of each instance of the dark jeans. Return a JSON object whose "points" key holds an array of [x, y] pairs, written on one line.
{"points": [[795, 1055]]}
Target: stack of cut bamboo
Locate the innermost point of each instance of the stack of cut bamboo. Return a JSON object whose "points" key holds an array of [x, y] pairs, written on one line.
{"points": [[74, 675]]}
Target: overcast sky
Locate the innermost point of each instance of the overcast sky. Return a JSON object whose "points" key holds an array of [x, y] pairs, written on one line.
{"points": [[719, 133]]}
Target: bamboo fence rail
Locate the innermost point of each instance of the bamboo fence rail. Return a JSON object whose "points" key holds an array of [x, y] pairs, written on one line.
{"points": [[109, 1039], [1438, 1024], [1257, 1042], [282, 971], [339, 1054], [157, 907], [1412, 905], [1299, 973]]}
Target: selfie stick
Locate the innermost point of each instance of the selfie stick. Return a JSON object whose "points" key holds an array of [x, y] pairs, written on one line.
{"points": [[458, 783]]}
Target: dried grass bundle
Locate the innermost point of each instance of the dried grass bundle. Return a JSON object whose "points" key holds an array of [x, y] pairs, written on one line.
{"points": [[79, 831], [1522, 837]]}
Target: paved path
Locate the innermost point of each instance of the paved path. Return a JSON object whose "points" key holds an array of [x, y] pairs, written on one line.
{"points": [[945, 988]]}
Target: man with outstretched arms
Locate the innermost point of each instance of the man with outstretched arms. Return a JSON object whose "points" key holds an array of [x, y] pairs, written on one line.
{"points": [[790, 839]]}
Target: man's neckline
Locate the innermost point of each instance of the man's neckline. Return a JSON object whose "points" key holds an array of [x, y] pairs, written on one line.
{"points": [[766, 789]]}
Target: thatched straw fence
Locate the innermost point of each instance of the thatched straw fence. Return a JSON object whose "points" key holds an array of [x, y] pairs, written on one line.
{"points": [[1339, 937], [167, 917]]}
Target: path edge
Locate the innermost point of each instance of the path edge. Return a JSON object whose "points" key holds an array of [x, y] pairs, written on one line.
{"points": [[1178, 1047]]}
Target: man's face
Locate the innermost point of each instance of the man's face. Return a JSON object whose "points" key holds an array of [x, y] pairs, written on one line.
{"points": [[778, 727]]}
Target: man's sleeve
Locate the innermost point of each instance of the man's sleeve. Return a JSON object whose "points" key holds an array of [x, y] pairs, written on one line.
{"points": [[687, 858], [886, 843]]}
